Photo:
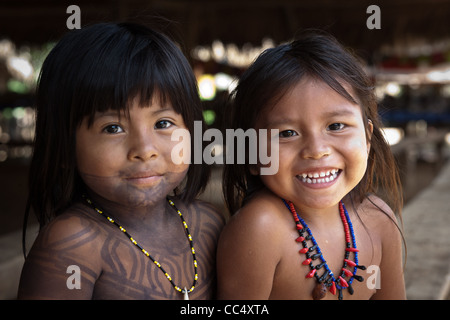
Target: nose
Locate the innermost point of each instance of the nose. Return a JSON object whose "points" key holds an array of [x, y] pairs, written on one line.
{"points": [[315, 147], [142, 146]]}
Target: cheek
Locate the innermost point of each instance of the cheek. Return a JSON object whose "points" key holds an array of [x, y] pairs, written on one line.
{"points": [[176, 174], [86, 152], [173, 155], [98, 166], [358, 154], [85, 158], [97, 174], [96, 161]]}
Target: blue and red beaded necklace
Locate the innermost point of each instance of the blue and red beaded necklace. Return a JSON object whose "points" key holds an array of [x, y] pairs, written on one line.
{"points": [[327, 281]]}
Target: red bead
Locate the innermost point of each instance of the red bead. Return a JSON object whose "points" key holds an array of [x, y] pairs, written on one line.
{"points": [[343, 282], [347, 272], [350, 263], [299, 227], [311, 273], [304, 250], [351, 250], [333, 288], [306, 262], [300, 239]]}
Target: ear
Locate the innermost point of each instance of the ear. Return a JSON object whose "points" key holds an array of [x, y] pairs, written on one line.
{"points": [[369, 132]]}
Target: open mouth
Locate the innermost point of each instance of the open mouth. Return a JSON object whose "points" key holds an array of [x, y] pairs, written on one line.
{"points": [[319, 176]]}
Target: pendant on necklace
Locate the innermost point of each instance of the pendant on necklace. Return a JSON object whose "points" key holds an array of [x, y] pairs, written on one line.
{"points": [[186, 296], [319, 292]]}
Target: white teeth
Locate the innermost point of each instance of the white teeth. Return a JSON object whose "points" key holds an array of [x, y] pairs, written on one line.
{"points": [[320, 177]]}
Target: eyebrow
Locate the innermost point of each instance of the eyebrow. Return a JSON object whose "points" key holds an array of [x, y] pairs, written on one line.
{"points": [[115, 113], [343, 111], [162, 110], [277, 122], [109, 113], [339, 111]]}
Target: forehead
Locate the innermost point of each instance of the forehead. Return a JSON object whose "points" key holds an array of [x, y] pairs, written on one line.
{"points": [[309, 99], [155, 107], [157, 101]]}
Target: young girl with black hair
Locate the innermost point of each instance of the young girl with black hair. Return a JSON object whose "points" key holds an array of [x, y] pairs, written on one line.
{"points": [[315, 229], [111, 202]]}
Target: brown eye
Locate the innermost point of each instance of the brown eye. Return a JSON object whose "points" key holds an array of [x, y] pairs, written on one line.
{"points": [[287, 133], [336, 126], [113, 129], [163, 124]]}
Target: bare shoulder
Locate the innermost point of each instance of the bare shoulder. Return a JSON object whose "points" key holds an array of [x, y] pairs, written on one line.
{"points": [[73, 229], [260, 225], [71, 239], [207, 211], [205, 223], [262, 215], [201, 215], [383, 224], [249, 248], [377, 213]]}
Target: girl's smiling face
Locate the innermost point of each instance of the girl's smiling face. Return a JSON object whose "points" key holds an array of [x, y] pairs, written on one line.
{"points": [[127, 159], [323, 147]]}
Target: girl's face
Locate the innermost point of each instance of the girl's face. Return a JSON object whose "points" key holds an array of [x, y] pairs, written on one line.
{"points": [[127, 160], [323, 148]]}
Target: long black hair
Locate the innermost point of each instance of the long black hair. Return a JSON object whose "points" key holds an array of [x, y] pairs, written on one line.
{"points": [[94, 69]]}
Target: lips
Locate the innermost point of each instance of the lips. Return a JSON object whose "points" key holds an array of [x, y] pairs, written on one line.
{"points": [[143, 175], [144, 178], [320, 176]]}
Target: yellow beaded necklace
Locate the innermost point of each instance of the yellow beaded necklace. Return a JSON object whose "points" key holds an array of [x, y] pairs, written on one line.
{"points": [[185, 291]]}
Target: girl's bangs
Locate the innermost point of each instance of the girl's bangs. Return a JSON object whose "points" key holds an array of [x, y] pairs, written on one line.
{"points": [[119, 91], [122, 70]]}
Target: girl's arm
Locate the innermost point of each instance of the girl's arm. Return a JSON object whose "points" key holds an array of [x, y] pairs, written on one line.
{"points": [[247, 255], [392, 284], [62, 263]]}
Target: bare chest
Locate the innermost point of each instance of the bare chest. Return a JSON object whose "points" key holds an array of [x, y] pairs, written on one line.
{"points": [[128, 273]]}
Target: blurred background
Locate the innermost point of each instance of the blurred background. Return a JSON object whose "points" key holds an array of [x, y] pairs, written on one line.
{"points": [[405, 48]]}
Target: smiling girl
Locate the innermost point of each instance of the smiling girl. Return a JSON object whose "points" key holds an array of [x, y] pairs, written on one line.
{"points": [[310, 230], [103, 184]]}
